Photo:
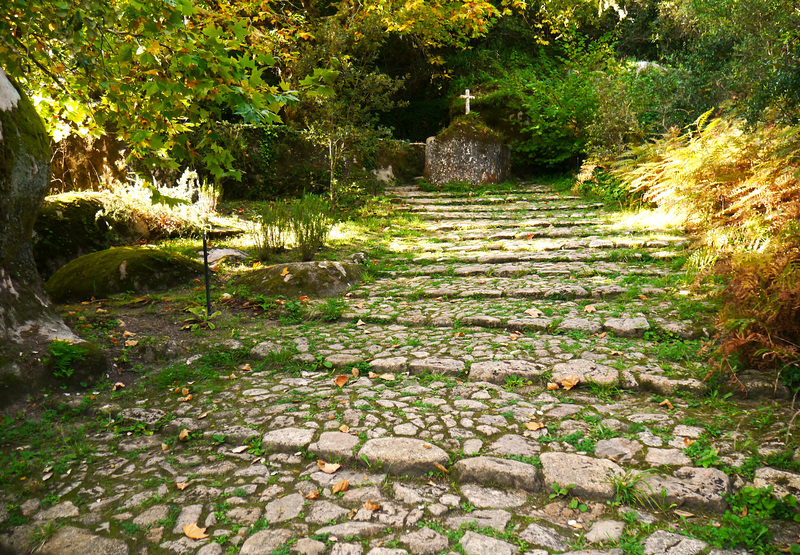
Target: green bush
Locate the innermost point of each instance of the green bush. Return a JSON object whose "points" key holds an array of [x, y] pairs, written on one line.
{"points": [[272, 230], [311, 223]]}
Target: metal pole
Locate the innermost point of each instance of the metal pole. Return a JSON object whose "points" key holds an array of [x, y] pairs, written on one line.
{"points": [[205, 263]]}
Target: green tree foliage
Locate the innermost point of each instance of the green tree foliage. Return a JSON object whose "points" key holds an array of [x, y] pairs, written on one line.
{"points": [[159, 73]]}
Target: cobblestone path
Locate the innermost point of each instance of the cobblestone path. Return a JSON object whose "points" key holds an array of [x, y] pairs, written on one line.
{"points": [[524, 378]]}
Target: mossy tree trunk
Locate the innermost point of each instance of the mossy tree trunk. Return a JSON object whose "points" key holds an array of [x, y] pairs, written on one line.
{"points": [[28, 323]]}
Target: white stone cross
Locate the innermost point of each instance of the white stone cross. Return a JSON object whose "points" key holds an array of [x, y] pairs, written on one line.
{"points": [[466, 96]]}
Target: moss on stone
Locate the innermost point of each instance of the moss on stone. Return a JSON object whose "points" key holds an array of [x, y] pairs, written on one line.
{"points": [[312, 279], [68, 226], [121, 270], [469, 126], [74, 364]]}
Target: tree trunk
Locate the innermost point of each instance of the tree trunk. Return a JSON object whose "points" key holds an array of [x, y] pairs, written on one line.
{"points": [[28, 323]]}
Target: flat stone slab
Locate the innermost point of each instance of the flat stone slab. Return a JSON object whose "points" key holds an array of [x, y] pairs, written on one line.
{"points": [[76, 541], [285, 508], [503, 472], [334, 445], [490, 498], [442, 366], [478, 544], [587, 371], [668, 386], [580, 324], [590, 476], [265, 541], [402, 455], [486, 518], [528, 324], [666, 457], [667, 543], [627, 327], [783, 483], [617, 449], [697, 488], [542, 536], [287, 439], [605, 531], [497, 371], [425, 541], [353, 529]]}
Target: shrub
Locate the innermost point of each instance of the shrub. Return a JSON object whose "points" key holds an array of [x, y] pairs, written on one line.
{"points": [[311, 223], [271, 231]]}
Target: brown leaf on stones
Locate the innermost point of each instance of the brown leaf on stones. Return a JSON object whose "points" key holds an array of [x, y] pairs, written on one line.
{"points": [[186, 399], [246, 368], [184, 435], [533, 426], [442, 468], [341, 485], [285, 271], [684, 514], [387, 377], [194, 532], [164, 447], [370, 505], [459, 334], [355, 372], [341, 380], [569, 382], [128, 334], [666, 403], [361, 323], [313, 494], [344, 428], [202, 415], [118, 385], [688, 442], [589, 308], [534, 312], [372, 375], [328, 468], [240, 449], [551, 386], [181, 485], [185, 391], [131, 343]]}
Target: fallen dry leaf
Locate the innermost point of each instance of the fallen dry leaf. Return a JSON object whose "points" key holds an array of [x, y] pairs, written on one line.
{"points": [[426, 446], [387, 377], [569, 382], [688, 442], [341, 485], [370, 505], [164, 447], [202, 415], [118, 385], [576, 525], [232, 376], [372, 375], [246, 368], [344, 428], [131, 343], [589, 308], [341, 380], [256, 265], [328, 468], [684, 514], [304, 299], [361, 322], [643, 297], [355, 372], [442, 468], [534, 312], [186, 399], [128, 334], [552, 386], [181, 485], [184, 435], [185, 391], [666, 403], [533, 426], [240, 449], [284, 272], [313, 494], [459, 334], [194, 532], [602, 335]]}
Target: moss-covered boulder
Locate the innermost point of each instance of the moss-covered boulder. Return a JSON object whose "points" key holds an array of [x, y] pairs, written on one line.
{"points": [[69, 226], [121, 270], [312, 279]]}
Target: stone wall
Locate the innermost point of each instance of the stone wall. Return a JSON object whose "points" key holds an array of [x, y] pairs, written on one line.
{"points": [[466, 153]]}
